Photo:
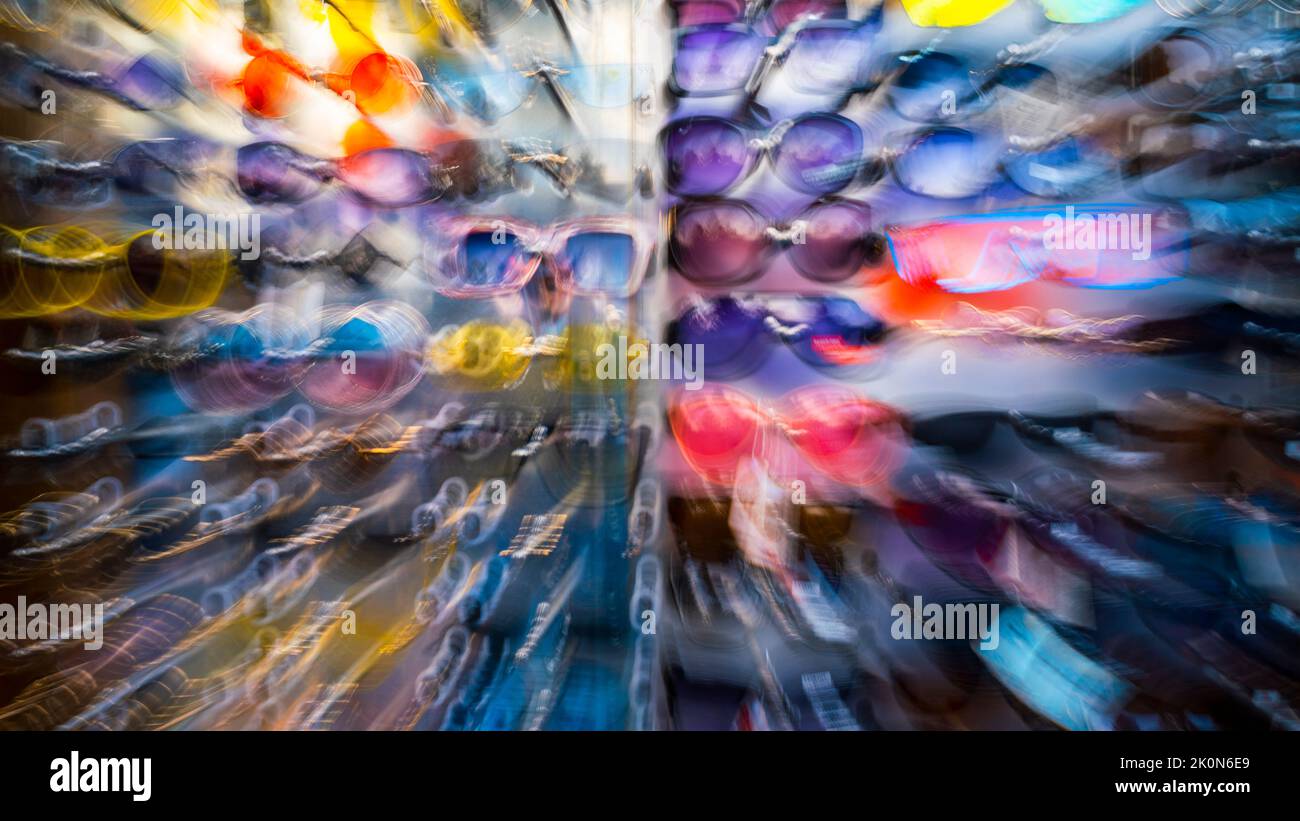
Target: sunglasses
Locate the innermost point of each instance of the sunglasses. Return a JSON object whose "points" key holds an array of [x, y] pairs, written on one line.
{"points": [[491, 95], [819, 57], [272, 83], [771, 16], [50, 269], [957, 13], [953, 163], [815, 154], [149, 83], [727, 242], [384, 177], [480, 256], [383, 342], [478, 355], [849, 439], [934, 86], [737, 335], [1087, 246], [153, 168]]}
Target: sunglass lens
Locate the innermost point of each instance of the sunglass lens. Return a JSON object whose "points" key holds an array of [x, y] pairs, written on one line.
{"points": [[932, 88], [390, 177], [273, 172], [705, 156], [601, 261], [719, 243], [492, 258], [838, 240], [820, 155], [152, 82], [729, 333], [948, 164], [716, 60]]}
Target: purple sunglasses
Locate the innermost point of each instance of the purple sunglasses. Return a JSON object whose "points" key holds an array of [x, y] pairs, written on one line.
{"points": [[739, 333], [820, 57], [816, 153], [726, 242]]}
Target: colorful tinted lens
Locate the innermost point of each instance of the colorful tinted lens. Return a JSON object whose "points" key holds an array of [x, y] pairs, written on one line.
{"points": [[718, 243], [705, 155], [729, 332], [368, 358], [493, 258], [488, 96], [600, 261], [819, 154], [274, 172], [838, 240], [848, 438], [963, 257], [481, 355], [715, 430], [152, 82], [948, 163], [932, 88], [1069, 166], [735, 334], [716, 60], [239, 375], [391, 177], [1093, 247]]}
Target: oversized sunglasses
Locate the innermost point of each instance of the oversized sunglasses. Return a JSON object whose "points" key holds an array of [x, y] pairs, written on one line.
{"points": [[848, 438], [480, 256], [953, 163], [770, 16], [815, 153], [819, 57], [274, 84], [386, 177], [49, 269], [934, 86], [1090, 246], [727, 242], [737, 334]]}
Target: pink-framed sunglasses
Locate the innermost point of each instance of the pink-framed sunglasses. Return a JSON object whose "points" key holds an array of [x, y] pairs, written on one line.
{"points": [[480, 256]]}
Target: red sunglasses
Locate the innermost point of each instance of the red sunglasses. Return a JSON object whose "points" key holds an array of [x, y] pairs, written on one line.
{"points": [[846, 437]]}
